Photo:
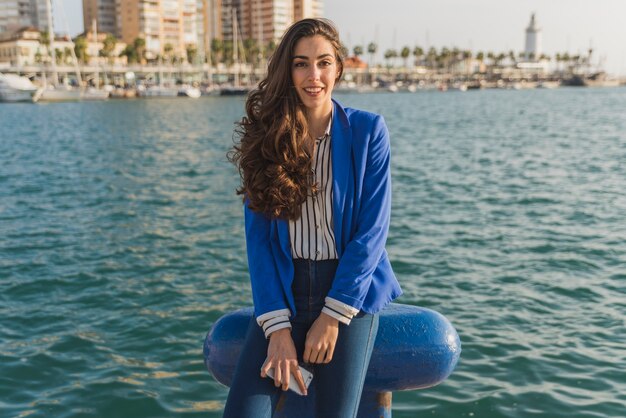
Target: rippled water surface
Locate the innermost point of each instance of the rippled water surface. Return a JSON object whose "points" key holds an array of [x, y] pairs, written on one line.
{"points": [[121, 242]]}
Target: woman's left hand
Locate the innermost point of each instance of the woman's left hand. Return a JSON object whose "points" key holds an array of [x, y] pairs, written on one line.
{"points": [[321, 339]]}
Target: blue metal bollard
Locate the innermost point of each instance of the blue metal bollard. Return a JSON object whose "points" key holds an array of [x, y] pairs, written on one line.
{"points": [[416, 348]]}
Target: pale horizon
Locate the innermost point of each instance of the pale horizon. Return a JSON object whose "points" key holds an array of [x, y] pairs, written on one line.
{"points": [[571, 26]]}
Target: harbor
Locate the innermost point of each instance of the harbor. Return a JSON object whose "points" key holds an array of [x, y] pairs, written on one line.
{"points": [[122, 242], [110, 69], [148, 81], [124, 282]]}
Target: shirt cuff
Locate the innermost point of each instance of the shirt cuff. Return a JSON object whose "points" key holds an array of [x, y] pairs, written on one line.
{"points": [[339, 310], [274, 320]]}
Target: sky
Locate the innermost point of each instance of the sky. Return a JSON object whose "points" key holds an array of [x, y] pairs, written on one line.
{"points": [[479, 25]]}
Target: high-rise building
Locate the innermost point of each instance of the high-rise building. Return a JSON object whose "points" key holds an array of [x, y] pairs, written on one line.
{"points": [[209, 24], [267, 20], [15, 14], [104, 12], [232, 18], [171, 26], [532, 50], [167, 26], [307, 8]]}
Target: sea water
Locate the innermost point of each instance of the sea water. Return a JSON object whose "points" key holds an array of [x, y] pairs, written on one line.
{"points": [[121, 243]]}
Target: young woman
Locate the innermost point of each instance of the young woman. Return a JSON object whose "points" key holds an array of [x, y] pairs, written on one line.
{"points": [[317, 198]]}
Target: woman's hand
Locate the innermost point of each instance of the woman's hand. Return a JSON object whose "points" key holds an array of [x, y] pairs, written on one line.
{"points": [[321, 339], [282, 357]]}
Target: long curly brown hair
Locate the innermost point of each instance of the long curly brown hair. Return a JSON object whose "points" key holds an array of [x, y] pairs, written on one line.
{"points": [[274, 152]]}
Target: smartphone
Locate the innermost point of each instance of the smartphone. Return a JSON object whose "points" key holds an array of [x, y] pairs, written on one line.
{"points": [[307, 376]]}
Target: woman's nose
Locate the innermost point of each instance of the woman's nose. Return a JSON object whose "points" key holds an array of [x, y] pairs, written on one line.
{"points": [[314, 72]]}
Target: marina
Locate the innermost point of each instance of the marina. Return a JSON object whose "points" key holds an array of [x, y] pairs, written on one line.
{"points": [[122, 243], [190, 82], [124, 282]]}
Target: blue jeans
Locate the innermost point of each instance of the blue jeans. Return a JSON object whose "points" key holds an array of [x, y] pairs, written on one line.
{"points": [[338, 384]]}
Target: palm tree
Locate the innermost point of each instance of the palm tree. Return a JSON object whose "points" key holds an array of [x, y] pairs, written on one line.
{"points": [[45, 40], [357, 51], [371, 49], [80, 49], [217, 49], [389, 54], [404, 53], [108, 46], [271, 47], [455, 56], [191, 52], [167, 51], [444, 58], [139, 46], [67, 55], [251, 50], [227, 52], [512, 57], [499, 58], [431, 57], [130, 52], [58, 55], [466, 55], [343, 50], [418, 53]]}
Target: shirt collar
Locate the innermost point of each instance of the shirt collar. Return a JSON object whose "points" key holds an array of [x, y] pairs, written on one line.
{"points": [[330, 124]]}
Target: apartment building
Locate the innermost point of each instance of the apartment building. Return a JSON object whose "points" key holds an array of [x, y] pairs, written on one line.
{"points": [[175, 25], [167, 26], [104, 12], [267, 20], [16, 14], [307, 8]]}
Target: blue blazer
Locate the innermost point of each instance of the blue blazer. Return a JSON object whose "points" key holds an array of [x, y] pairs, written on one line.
{"points": [[361, 211]]}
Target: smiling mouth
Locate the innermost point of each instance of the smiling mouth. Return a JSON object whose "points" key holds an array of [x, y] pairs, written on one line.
{"points": [[313, 91]]}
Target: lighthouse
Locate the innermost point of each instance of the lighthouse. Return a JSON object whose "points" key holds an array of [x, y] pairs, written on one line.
{"points": [[532, 52]]}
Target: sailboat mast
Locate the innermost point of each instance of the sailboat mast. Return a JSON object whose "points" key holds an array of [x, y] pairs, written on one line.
{"points": [[208, 16], [235, 47], [51, 51], [94, 33], [259, 32]]}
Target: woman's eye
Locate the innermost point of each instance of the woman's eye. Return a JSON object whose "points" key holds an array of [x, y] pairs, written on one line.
{"points": [[300, 64]]}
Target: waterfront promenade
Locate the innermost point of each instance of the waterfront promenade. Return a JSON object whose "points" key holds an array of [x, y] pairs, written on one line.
{"points": [[378, 76]]}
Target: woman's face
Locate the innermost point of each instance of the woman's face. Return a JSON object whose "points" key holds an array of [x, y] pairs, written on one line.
{"points": [[314, 70]]}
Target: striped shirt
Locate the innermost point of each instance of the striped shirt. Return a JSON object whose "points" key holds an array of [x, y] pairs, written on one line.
{"points": [[312, 236]]}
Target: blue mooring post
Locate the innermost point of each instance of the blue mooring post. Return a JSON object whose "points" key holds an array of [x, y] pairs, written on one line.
{"points": [[416, 348]]}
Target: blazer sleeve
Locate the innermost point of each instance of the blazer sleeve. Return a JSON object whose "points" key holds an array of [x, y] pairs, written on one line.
{"points": [[267, 290], [363, 252]]}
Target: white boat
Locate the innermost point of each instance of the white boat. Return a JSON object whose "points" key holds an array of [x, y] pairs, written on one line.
{"points": [[548, 84], [14, 88], [59, 94], [234, 91], [167, 91], [458, 87], [189, 91], [93, 93], [158, 91]]}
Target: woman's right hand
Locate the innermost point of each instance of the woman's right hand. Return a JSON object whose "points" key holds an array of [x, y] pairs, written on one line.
{"points": [[282, 357]]}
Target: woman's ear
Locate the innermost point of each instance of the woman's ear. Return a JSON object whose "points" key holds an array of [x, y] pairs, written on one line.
{"points": [[339, 73]]}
